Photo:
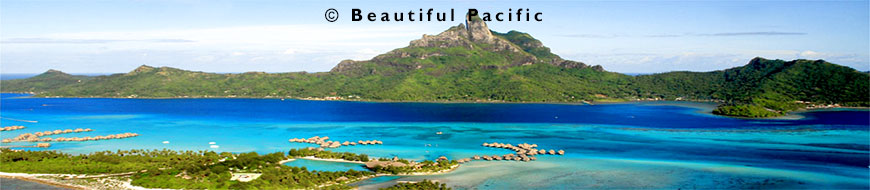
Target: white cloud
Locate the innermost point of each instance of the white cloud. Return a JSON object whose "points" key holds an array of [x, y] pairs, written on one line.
{"points": [[290, 51], [314, 36], [207, 58], [809, 53], [273, 48]]}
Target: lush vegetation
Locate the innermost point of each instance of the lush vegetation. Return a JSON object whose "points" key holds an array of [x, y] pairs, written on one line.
{"points": [[179, 170], [101, 162], [763, 88], [747, 110], [423, 185], [50, 80], [423, 167], [459, 69], [328, 154], [427, 166], [204, 169]]}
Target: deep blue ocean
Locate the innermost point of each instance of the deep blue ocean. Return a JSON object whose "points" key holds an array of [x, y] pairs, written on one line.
{"points": [[627, 145]]}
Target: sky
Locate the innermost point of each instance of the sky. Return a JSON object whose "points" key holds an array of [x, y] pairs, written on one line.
{"points": [[288, 36]]}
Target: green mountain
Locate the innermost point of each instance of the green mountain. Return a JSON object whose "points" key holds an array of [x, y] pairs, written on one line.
{"points": [[764, 87], [50, 80], [473, 63]]}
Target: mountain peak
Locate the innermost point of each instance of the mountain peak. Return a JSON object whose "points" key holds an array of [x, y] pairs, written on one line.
{"points": [[477, 29], [142, 68], [52, 71], [470, 43], [473, 31]]}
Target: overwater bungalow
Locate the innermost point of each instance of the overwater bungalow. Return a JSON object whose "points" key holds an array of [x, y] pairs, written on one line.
{"points": [[335, 144], [78, 130], [552, 152], [57, 131], [88, 130], [476, 157], [9, 128], [68, 131], [561, 152]]}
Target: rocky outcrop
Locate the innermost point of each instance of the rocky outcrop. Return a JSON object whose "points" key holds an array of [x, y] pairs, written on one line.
{"points": [[476, 32], [141, 69], [343, 66], [473, 35]]}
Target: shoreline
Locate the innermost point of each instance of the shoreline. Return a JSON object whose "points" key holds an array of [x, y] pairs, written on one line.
{"points": [[62, 183], [326, 159], [792, 115], [377, 175], [579, 102], [34, 178], [451, 169], [286, 160]]}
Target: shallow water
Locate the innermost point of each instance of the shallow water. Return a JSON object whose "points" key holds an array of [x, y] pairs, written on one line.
{"points": [[16, 184], [634, 145]]}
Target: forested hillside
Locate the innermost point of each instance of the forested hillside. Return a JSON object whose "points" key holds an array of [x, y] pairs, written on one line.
{"points": [[473, 63]]}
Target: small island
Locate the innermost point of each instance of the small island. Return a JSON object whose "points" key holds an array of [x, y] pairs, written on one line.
{"points": [[202, 169]]}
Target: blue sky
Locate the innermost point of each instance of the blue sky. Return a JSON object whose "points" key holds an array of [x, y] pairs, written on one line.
{"points": [[286, 36]]}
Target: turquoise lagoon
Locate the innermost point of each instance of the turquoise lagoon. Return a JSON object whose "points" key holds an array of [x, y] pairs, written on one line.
{"points": [[633, 145]]}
